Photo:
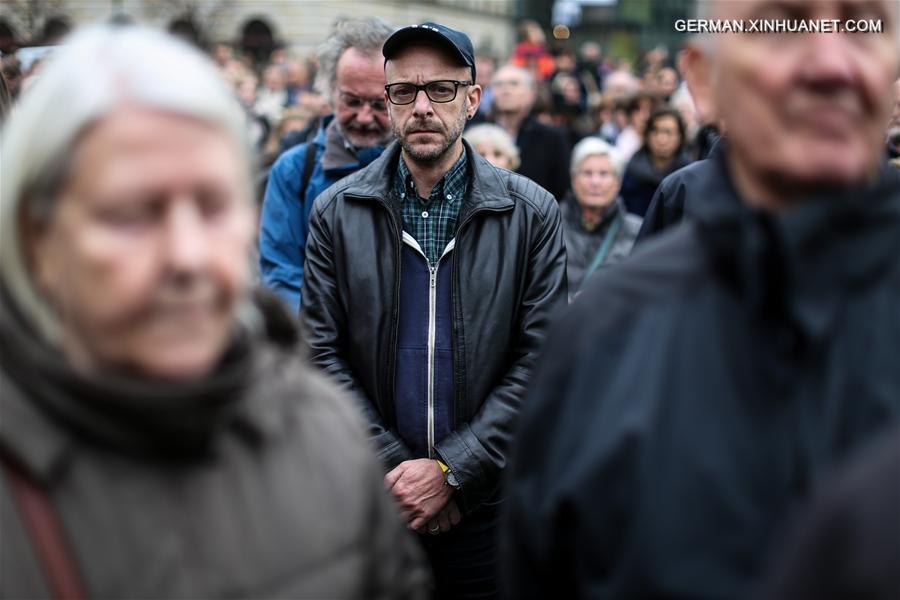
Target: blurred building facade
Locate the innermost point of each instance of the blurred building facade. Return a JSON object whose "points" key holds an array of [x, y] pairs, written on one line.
{"points": [[625, 28], [254, 24]]}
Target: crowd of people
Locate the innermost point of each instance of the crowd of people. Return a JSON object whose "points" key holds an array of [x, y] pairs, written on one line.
{"points": [[406, 320]]}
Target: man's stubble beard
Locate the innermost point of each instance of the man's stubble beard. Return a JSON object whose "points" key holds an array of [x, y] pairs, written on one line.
{"points": [[435, 155]]}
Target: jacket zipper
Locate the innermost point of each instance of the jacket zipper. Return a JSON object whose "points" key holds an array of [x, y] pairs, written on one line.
{"points": [[432, 335], [432, 318], [432, 330], [392, 346]]}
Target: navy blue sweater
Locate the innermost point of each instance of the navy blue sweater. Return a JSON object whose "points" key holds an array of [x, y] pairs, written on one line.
{"points": [[425, 315]]}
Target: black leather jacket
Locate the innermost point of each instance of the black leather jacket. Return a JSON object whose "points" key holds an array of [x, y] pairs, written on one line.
{"points": [[508, 280]]}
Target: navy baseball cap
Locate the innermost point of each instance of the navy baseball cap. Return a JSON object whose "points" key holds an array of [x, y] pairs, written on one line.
{"points": [[456, 42]]}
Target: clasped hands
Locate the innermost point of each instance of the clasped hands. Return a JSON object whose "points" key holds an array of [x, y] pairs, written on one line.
{"points": [[426, 501]]}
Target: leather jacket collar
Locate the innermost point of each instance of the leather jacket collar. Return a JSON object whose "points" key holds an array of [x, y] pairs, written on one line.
{"points": [[486, 189]]}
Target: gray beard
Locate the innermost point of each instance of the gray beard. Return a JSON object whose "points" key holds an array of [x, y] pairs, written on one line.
{"points": [[349, 136], [360, 144]]}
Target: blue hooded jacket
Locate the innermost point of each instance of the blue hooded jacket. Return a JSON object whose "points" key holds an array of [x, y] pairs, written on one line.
{"points": [[284, 221]]}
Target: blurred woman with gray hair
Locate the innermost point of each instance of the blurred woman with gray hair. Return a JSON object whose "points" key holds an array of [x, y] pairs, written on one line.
{"points": [[160, 438], [598, 231], [495, 144]]}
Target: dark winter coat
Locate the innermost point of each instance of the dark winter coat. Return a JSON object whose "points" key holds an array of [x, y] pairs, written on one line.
{"points": [[696, 393], [683, 193], [284, 218], [544, 151], [255, 481], [642, 178], [848, 545], [582, 244]]}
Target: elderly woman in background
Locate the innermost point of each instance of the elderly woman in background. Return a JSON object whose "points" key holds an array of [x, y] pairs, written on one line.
{"points": [[493, 143], [598, 231], [159, 436], [663, 153]]}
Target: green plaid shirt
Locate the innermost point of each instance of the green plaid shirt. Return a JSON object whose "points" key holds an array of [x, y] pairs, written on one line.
{"points": [[432, 222]]}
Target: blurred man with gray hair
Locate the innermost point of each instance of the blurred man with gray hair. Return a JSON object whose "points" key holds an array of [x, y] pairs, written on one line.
{"points": [[544, 149], [351, 76], [699, 391]]}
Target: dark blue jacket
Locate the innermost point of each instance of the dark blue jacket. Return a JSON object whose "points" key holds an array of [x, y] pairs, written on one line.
{"points": [[642, 178], [681, 193], [284, 221], [424, 403]]}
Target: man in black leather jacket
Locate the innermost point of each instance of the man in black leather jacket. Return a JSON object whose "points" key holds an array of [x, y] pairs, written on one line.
{"points": [[439, 358]]}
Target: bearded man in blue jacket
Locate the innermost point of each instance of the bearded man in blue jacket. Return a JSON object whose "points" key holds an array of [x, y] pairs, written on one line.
{"points": [[351, 76]]}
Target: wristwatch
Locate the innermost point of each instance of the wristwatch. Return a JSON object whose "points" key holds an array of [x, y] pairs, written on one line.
{"points": [[449, 477]]}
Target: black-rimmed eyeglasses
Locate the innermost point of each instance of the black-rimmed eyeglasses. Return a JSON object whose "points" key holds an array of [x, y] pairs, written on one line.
{"points": [[440, 91]]}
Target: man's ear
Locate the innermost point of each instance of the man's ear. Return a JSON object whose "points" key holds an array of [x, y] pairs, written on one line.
{"points": [[697, 69], [474, 96]]}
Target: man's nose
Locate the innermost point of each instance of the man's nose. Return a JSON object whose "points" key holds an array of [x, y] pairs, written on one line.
{"points": [[829, 62], [365, 114], [422, 105]]}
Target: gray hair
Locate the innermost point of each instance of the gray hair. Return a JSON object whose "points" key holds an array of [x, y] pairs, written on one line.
{"points": [[125, 66], [624, 79], [594, 146], [367, 35], [525, 73], [498, 137]]}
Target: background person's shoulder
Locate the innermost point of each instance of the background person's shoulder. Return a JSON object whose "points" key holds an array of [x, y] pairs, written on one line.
{"points": [[661, 269]]}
